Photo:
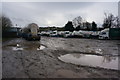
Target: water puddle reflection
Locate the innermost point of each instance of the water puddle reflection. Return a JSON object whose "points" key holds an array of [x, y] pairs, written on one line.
{"points": [[41, 47], [91, 60], [16, 48], [19, 47]]}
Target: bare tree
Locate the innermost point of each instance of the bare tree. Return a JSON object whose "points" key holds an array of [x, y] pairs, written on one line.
{"points": [[77, 21], [6, 22], [116, 22], [111, 21]]}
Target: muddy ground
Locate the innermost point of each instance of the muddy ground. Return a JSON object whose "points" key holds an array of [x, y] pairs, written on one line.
{"points": [[44, 63]]}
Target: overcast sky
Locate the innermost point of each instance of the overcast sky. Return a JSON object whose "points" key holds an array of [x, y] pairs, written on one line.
{"points": [[56, 13]]}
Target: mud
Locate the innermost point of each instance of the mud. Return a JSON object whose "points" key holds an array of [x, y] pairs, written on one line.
{"points": [[33, 63]]}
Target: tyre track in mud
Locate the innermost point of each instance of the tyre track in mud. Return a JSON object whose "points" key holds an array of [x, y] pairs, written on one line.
{"points": [[23, 65], [49, 57]]}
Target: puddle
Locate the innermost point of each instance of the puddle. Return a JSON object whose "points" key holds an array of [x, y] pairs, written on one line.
{"points": [[17, 48], [91, 60], [41, 47]]}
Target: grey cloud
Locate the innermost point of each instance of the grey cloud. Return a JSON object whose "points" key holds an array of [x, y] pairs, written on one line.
{"points": [[55, 13]]}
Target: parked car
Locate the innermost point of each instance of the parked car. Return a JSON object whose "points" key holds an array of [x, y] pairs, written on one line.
{"points": [[54, 34], [75, 34], [80, 34], [45, 33], [110, 33], [95, 34], [86, 34], [61, 33], [67, 34]]}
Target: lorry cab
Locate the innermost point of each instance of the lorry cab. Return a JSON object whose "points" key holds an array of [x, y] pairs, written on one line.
{"points": [[104, 34]]}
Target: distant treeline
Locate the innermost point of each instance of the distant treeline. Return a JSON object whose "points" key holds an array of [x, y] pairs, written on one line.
{"points": [[51, 28], [63, 29]]}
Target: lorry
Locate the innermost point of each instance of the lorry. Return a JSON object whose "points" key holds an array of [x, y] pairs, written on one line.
{"points": [[31, 32], [110, 33]]}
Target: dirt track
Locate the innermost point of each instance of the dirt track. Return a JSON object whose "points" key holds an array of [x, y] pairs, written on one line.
{"points": [[33, 63]]}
